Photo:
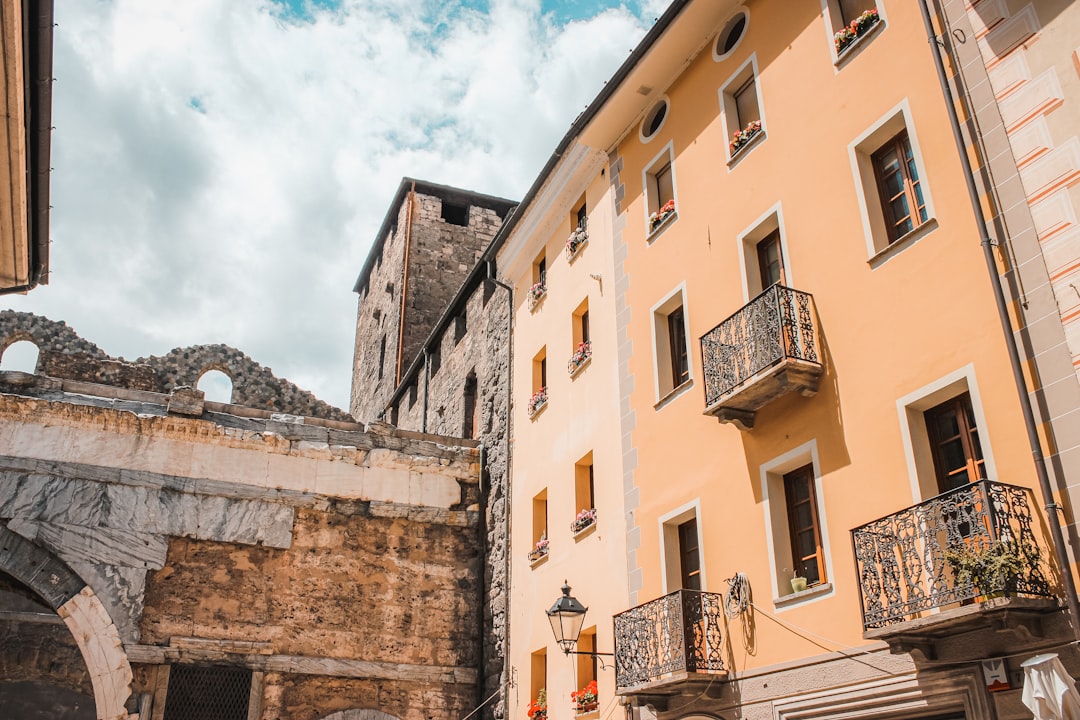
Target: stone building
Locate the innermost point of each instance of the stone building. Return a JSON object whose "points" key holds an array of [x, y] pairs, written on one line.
{"points": [[432, 355], [163, 557]]}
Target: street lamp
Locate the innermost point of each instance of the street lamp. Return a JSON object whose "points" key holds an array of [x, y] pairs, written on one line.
{"points": [[567, 616]]}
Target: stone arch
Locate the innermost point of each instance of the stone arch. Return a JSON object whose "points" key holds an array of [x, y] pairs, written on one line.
{"points": [[215, 384], [9, 342], [357, 714], [48, 335], [83, 613]]}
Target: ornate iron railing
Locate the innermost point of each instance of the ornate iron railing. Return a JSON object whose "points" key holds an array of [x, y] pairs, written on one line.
{"points": [[681, 631], [777, 324], [975, 541]]}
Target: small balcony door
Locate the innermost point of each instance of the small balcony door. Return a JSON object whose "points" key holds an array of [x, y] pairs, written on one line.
{"points": [[954, 441]]}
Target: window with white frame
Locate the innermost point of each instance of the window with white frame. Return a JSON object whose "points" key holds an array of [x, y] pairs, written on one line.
{"points": [[671, 344], [658, 182], [895, 201], [740, 105], [681, 538], [851, 23], [795, 523]]}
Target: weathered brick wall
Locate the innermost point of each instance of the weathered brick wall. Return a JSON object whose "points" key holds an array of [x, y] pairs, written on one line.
{"points": [[481, 350], [63, 354]]}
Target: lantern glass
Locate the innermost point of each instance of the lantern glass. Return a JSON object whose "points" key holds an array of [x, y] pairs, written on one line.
{"points": [[566, 616]]}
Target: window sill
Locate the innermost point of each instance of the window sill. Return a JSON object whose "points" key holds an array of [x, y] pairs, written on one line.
{"points": [[743, 151], [672, 394], [807, 594], [902, 244], [577, 370], [585, 531], [661, 227], [534, 302], [857, 44], [539, 561], [537, 410], [571, 255], [587, 715]]}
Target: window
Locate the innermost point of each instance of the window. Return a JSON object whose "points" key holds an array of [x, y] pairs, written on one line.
{"points": [[412, 395], [796, 530], [382, 355], [803, 525], [434, 362], [671, 345], [898, 184], [689, 558], [586, 664], [658, 181], [654, 120], [209, 692], [581, 346], [848, 21], [455, 214], [731, 36], [763, 253], [471, 407], [20, 356], [583, 325], [584, 491], [540, 370], [461, 327], [216, 386], [895, 201], [681, 548], [539, 527], [954, 442], [740, 104], [537, 674], [539, 281], [579, 218]]}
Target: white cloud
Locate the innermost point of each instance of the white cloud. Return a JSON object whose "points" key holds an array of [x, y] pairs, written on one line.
{"points": [[220, 171]]}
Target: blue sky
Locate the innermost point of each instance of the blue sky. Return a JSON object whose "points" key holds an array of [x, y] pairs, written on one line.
{"points": [[221, 169]]}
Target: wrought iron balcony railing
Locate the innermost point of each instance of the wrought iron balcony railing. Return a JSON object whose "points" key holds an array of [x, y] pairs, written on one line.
{"points": [[669, 638], [976, 541], [776, 326]]}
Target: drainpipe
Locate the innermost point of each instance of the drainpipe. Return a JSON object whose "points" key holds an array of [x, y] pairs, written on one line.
{"points": [[1052, 508], [427, 374], [405, 284], [509, 397]]}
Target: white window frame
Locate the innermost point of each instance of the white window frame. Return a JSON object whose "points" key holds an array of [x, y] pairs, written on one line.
{"points": [[719, 57], [661, 346], [770, 220], [662, 100], [647, 175], [729, 114], [860, 152], [670, 552], [834, 21], [777, 534], [912, 408]]}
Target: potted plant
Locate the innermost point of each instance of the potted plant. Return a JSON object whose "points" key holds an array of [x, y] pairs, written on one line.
{"points": [[537, 401], [658, 217], [584, 519], [741, 138], [856, 29], [583, 353], [587, 699], [540, 550], [573, 243], [538, 707], [798, 584], [537, 293], [991, 571]]}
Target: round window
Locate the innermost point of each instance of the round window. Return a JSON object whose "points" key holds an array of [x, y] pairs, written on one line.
{"points": [[654, 120], [732, 34]]}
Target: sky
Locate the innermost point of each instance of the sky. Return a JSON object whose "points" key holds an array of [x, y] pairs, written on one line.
{"points": [[220, 167]]}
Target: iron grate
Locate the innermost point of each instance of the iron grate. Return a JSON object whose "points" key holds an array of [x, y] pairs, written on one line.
{"points": [[201, 692]]}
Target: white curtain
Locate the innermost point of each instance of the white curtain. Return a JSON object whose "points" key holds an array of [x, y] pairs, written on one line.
{"points": [[1049, 692]]}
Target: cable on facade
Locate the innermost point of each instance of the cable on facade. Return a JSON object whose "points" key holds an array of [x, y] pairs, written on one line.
{"points": [[737, 597], [480, 707]]}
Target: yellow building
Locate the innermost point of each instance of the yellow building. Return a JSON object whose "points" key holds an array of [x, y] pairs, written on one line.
{"points": [[781, 238]]}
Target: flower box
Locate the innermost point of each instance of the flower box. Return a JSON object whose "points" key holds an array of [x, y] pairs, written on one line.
{"points": [[659, 217], [537, 293], [856, 29], [537, 401], [579, 358], [575, 242], [587, 699], [584, 520], [742, 138], [538, 707]]}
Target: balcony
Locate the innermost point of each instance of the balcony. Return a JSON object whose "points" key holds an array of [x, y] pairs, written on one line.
{"points": [[668, 644], [940, 566], [767, 349]]}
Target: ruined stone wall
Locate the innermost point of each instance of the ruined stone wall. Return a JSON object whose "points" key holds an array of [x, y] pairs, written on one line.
{"points": [[341, 566], [63, 354], [378, 323], [482, 350]]}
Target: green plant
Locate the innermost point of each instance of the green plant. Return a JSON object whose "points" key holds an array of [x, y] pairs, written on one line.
{"points": [[989, 569]]}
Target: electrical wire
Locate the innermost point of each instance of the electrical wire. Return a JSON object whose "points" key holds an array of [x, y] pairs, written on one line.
{"points": [[480, 707]]}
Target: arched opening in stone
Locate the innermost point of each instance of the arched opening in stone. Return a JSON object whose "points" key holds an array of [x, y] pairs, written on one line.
{"points": [[42, 671], [21, 356], [217, 385]]}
